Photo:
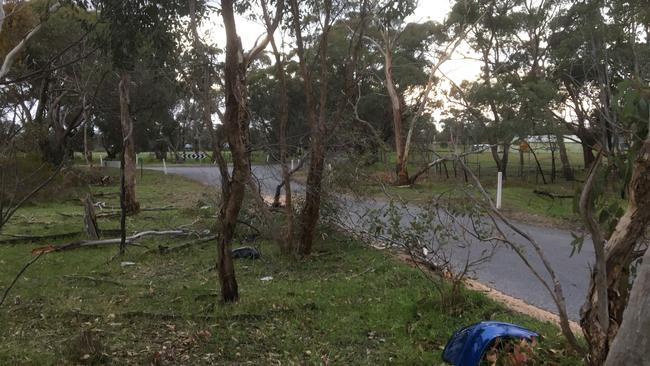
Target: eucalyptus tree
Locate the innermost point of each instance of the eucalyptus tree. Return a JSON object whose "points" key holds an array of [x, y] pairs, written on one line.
{"points": [[312, 24], [536, 89], [492, 100], [236, 125], [154, 95], [404, 48], [136, 32], [570, 46], [595, 46], [56, 73], [202, 75], [596, 49]]}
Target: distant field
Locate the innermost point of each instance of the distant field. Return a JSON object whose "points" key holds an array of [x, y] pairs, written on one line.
{"points": [[482, 162], [520, 200]]}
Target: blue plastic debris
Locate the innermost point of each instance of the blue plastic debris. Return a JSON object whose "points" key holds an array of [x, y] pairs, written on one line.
{"points": [[467, 346]]}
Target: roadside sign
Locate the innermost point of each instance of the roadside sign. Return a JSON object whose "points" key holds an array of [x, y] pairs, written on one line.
{"points": [[194, 155]]}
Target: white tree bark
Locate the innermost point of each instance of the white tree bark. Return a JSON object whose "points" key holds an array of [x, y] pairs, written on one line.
{"points": [[10, 58], [2, 14], [631, 345]]}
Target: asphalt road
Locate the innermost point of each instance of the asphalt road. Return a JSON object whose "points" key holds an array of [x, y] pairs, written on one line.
{"points": [[505, 271]]}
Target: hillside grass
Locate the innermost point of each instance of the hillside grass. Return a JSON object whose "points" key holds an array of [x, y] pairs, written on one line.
{"points": [[348, 304]]}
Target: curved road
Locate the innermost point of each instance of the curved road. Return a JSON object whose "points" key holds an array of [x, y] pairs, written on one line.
{"points": [[505, 271]]}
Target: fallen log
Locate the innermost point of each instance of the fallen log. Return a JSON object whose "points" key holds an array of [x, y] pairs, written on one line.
{"points": [[13, 239], [552, 195], [21, 238], [93, 279], [13, 283], [165, 250], [114, 213], [98, 243]]}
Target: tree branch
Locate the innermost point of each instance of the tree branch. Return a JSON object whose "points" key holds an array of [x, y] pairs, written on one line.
{"points": [[9, 59]]}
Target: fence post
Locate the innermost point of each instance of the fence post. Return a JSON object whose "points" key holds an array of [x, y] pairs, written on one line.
{"points": [[499, 189]]}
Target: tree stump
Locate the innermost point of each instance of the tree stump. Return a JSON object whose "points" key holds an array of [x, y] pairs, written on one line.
{"points": [[90, 219]]}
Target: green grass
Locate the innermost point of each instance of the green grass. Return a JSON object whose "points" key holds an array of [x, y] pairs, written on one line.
{"points": [[348, 304], [519, 199]]}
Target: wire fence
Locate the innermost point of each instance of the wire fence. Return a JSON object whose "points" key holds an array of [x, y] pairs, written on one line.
{"points": [[546, 168]]}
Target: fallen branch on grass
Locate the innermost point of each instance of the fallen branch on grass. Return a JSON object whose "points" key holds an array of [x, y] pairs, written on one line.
{"points": [[19, 238], [552, 195], [114, 213], [165, 250], [104, 242], [13, 239], [22, 270], [93, 279]]}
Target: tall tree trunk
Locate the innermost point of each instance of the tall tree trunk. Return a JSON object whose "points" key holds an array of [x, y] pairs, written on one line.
{"points": [[567, 171], [130, 203], [631, 344], [88, 155], [588, 143], [88, 144], [521, 159], [553, 167], [287, 246], [539, 166], [500, 161], [400, 163], [586, 137], [504, 159], [235, 126], [311, 210], [619, 251]]}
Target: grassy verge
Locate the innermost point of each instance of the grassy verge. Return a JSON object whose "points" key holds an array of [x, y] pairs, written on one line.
{"points": [[525, 197], [348, 304], [519, 200]]}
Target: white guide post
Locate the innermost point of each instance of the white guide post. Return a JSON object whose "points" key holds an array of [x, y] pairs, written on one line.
{"points": [[101, 161], [499, 189], [291, 164], [165, 166]]}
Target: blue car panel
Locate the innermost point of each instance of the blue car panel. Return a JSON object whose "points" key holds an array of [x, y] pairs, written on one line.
{"points": [[466, 346]]}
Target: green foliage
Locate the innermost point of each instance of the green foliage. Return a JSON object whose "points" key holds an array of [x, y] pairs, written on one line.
{"points": [[139, 25]]}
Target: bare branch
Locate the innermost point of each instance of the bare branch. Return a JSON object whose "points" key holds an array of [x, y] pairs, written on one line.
{"points": [[587, 211]]}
